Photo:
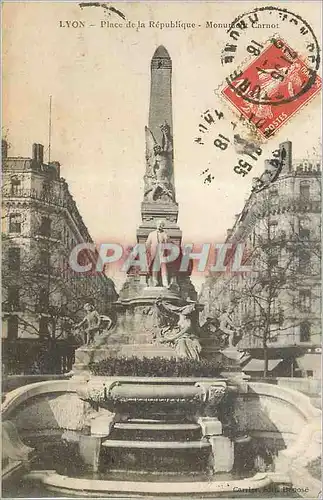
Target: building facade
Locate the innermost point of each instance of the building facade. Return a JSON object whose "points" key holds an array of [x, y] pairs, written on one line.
{"points": [[41, 224], [276, 306]]}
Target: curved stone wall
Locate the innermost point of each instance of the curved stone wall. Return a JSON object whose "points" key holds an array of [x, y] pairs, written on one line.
{"points": [[267, 409], [52, 405], [264, 411], [42, 411], [287, 421]]}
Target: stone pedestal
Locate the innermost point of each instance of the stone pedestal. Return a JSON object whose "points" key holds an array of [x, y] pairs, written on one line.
{"points": [[102, 425], [134, 333], [210, 426], [90, 447], [222, 453], [222, 456]]}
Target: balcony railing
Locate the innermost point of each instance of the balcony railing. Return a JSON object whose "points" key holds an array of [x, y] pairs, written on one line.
{"points": [[63, 200], [46, 270], [41, 195], [295, 203], [53, 235], [290, 202], [13, 164]]}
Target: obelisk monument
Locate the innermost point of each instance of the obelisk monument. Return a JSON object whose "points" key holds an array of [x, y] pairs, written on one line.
{"points": [[159, 206]]}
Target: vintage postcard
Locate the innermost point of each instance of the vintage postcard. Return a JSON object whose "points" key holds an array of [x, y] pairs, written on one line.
{"points": [[161, 243]]}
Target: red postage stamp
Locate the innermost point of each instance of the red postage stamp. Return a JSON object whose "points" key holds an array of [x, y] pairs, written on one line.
{"points": [[272, 88]]}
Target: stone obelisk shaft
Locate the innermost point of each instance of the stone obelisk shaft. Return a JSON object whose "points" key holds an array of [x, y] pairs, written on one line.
{"points": [[160, 107]]}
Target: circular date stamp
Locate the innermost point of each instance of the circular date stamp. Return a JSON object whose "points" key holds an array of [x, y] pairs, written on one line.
{"points": [[278, 80], [275, 86]]}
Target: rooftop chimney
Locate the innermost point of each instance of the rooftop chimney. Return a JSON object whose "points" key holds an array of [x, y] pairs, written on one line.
{"points": [[286, 155], [4, 148], [38, 153], [229, 233], [57, 167]]}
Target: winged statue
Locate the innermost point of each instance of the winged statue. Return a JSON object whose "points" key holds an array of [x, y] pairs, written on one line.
{"points": [[158, 184]]}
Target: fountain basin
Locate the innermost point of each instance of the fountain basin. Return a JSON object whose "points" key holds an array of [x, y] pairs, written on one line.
{"points": [[150, 396], [280, 418], [105, 488]]}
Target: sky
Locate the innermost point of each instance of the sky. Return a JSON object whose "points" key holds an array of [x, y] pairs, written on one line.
{"points": [[99, 80]]}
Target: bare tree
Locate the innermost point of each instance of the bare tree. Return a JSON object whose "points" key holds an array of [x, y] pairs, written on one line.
{"points": [[283, 261], [41, 292], [284, 254]]}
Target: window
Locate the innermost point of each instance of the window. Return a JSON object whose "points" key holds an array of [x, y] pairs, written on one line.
{"points": [[274, 305], [64, 266], [273, 257], [14, 259], [273, 261], [305, 300], [304, 260], [274, 198], [14, 223], [304, 234], [12, 327], [273, 229], [43, 298], [46, 191], [305, 332], [304, 190], [15, 185], [273, 332], [45, 226], [13, 297], [304, 229], [44, 261], [277, 313], [43, 326]]}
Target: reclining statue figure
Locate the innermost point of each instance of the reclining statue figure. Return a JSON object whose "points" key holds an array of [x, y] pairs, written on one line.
{"points": [[178, 329]]}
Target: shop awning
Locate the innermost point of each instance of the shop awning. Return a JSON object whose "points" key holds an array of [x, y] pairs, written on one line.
{"points": [[310, 362], [257, 365]]}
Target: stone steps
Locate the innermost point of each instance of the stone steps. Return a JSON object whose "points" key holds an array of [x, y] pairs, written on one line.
{"points": [[156, 430], [155, 426], [174, 445]]}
